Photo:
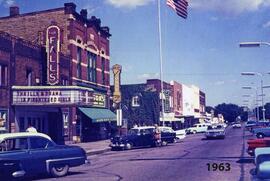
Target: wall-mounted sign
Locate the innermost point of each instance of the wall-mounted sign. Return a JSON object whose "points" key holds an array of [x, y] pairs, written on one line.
{"points": [[52, 49], [57, 96], [117, 94]]}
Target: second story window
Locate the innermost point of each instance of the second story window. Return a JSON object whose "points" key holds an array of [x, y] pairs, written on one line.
{"points": [[103, 70], [135, 101], [79, 59], [29, 75], [3, 75], [91, 67]]}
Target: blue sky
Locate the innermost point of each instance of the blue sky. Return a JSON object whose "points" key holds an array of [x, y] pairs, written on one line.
{"points": [[201, 50]]}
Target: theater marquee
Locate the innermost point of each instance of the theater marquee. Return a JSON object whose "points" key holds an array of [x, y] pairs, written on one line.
{"points": [[57, 95], [52, 49]]}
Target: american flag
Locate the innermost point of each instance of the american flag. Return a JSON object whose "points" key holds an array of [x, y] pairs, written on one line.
{"points": [[179, 6]]}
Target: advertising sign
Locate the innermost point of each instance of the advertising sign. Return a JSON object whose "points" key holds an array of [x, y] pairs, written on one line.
{"points": [[52, 49], [58, 96]]}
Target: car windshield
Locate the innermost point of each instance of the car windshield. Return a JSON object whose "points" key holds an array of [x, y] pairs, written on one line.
{"points": [[133, 131], [209, 128]]}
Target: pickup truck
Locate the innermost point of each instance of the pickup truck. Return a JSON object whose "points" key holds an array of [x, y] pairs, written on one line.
{"points": [[261, 132]]}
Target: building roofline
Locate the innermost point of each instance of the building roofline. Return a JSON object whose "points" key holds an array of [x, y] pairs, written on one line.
{"points": [[33, 13]]}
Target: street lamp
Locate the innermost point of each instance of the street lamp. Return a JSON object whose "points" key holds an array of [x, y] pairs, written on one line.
{"points": [[256, 98], [252, 44], [262, 87]]}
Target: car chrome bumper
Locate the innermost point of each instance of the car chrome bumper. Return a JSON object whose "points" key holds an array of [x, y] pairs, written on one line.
{"points": [[117, 145], [17, 174]]}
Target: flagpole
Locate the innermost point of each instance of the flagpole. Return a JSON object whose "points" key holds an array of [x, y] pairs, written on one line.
{"points": [[161, 64]]}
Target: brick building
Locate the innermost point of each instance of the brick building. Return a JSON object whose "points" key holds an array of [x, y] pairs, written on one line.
{"points": [[140, 105], [59, 79]]}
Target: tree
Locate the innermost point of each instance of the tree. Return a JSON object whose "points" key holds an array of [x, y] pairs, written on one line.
{"points": [[229, 111]]}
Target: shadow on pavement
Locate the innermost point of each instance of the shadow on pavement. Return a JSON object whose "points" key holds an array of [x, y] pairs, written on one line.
{"points": [[245, 160]]}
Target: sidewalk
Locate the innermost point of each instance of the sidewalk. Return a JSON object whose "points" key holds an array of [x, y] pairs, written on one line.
{"points": [[96, 147]]}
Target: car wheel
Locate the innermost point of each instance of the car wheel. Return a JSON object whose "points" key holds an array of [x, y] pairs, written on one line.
{"points": [[164, 143], [59, 170], [128, 146], [260, 135]]}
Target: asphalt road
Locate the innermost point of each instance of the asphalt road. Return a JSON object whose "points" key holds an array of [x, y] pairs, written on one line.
{"points": [[193, 159]]}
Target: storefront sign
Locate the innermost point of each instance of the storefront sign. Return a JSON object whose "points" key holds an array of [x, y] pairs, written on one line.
{"points": [[52, 49], [58, 96], [117, 94]]}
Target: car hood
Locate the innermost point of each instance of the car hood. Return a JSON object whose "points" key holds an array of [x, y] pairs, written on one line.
{"points": [[215, 130]]}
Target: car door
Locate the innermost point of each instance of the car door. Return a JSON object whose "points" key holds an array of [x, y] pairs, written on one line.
{"points": [[17, 148], [41, 150], [148, 137]]}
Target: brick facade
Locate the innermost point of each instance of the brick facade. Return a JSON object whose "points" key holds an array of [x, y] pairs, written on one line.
{"points": [[23, 46]]}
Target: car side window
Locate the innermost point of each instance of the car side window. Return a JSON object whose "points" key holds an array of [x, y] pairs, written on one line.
{"points": [[39, 142], [14, 144]]}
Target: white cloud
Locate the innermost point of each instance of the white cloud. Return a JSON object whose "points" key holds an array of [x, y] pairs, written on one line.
{"points": [[229, 6], [266, 25], [128, 3], [7, 3], [148, 76]]}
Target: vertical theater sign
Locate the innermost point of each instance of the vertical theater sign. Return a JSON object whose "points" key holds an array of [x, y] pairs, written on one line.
{"points": [[52, 49]]}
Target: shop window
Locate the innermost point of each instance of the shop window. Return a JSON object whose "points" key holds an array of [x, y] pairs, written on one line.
{"points": [[3, 75], [79, 59], [135, 101], [64, 81], [91, 67], [3, 120], [65, 123], [21, 124], [29, 77]]}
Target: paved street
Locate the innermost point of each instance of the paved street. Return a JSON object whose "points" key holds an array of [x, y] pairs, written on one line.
{"points": [[186, 161]]}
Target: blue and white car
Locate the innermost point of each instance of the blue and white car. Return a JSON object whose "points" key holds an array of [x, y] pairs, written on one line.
{"points": [[262, 162], [27, 154]]}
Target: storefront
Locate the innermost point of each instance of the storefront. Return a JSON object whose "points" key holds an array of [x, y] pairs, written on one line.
{"points": [[63, 112]]}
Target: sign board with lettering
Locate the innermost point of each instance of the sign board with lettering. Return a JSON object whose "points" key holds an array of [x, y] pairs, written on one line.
{"points": [[52, 49], [117, 93], [58, 95]]}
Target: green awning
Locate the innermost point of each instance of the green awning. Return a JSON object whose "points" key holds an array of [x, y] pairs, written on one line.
{"points": [[98, 114]]}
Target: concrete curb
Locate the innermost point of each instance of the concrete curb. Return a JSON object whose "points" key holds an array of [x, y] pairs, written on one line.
{"points": [[96, 152]]}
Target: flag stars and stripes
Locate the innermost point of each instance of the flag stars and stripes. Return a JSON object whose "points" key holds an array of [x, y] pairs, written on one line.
{"points": [[179, 6]]}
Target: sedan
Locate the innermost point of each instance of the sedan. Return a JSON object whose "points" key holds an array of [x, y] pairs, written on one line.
{"points": [[215, 132], [35, 153]]}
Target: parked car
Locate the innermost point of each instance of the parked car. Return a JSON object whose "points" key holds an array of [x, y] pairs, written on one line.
{"points": [[260, 124], [257, 143], [141, 137], [198, 128], [249, 124], [262, 162], [167, 134], [215, 131], [261, 132], [36, 153], [180, 134], [236, 125]]}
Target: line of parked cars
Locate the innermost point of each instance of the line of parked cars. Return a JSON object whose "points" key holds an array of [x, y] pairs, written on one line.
{"points": [[144, 137], [259, 147]]}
